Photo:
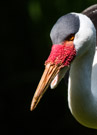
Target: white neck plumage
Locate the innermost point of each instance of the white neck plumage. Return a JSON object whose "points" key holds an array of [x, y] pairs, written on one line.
{"points": [[82, 95], [82, 99]]}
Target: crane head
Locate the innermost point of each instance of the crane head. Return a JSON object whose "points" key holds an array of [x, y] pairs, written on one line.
{"points": [[68, 40]]}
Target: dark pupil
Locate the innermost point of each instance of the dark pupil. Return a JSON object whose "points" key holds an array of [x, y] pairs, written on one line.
{"points": [[70, 37]]}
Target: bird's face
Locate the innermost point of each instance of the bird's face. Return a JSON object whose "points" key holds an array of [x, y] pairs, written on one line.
{"points": [[60, 58], [68, 41]]}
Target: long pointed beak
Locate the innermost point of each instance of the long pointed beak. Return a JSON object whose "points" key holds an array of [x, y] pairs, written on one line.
{"points": [[60, 56], [49, 73]]}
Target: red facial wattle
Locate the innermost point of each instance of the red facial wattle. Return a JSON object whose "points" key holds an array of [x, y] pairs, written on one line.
{"points": [[62, 54]]}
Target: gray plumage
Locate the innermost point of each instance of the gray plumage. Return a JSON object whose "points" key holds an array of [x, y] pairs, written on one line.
{"points": [[64, 27], [91, 12]]}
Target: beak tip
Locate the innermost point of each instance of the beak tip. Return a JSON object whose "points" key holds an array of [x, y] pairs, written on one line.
{"points": [[32, 107], [49, 72]]}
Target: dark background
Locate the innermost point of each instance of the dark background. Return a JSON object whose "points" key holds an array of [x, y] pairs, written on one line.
{"points": [[24, 46]]}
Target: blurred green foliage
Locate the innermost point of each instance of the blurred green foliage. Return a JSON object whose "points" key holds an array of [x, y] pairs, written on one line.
{"points": [[34, 10]]}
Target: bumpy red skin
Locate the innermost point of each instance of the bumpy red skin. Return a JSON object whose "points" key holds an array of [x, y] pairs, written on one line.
{"points": [[62, 54]]}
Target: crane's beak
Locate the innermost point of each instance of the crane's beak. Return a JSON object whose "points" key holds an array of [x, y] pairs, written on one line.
{"points": [[55, 68], [51, 70]]}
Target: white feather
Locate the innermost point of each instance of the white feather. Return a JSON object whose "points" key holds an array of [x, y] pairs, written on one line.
{"points": [[81, 98]]}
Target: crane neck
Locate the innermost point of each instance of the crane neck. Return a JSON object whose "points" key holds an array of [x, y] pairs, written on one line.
{"points": [[82, 102]]}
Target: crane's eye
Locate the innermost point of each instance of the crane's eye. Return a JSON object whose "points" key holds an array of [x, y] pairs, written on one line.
{"points": [[70, 37]]}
